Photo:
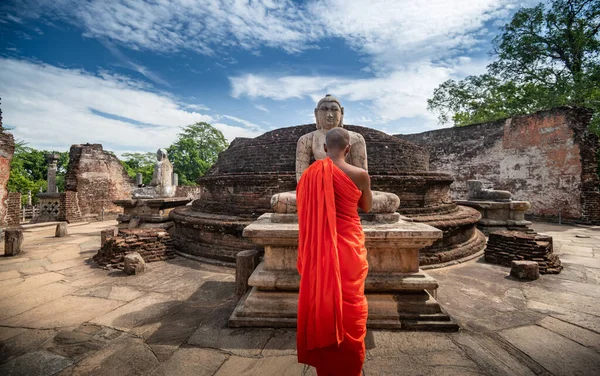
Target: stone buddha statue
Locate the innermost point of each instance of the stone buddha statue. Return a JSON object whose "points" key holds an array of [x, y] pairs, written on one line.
{"points": [[161, 184], [330, 114]]}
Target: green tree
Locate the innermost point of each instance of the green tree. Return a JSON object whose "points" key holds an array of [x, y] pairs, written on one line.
{"points": [[29, 170], [139, 162], [546, 56], [196, 149]]}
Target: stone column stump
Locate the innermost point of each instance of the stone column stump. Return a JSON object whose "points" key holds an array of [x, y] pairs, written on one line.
{"points": [[61, 230], [13, 241], [107, 234], [527, 270], [245, 263]]}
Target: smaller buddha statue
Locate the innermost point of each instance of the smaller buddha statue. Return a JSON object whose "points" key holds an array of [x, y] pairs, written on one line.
{"points": [[161, 184]]}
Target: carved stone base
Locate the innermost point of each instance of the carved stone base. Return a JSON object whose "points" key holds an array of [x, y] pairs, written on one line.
{"points": [[500, 216], [153, 212], [400, 295]]}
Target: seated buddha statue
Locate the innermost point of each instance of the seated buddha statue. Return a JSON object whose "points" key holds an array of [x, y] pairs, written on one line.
{"points": [[329, 114], [161, 184]]}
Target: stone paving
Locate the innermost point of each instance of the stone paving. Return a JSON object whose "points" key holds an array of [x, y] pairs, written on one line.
{"points": [[62, 315]]}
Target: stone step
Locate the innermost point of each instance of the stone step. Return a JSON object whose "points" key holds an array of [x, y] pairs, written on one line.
{"points": [[437, 326]]}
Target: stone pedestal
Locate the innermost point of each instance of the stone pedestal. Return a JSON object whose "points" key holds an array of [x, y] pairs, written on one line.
{"points": [[398, 292], [151, 212], [500, 215], [61, 230], [13, 242], [49, 204]]}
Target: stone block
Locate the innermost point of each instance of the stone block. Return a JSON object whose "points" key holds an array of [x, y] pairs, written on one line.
{"points": [[13, 242], [245, 263], [134, 264], [108, 233], [61, 230], [528, 270]]}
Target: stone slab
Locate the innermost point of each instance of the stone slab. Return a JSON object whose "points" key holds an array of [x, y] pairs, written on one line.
{"points": [[191, 361], [283, 365], [27, 341], [575, 333], [37, 363], [31, 283], [147, 308], [27, 300], [557, 354], [61, 312]]}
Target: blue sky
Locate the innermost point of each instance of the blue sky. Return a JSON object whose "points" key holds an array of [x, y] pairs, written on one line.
{"points": [[128, 74]]}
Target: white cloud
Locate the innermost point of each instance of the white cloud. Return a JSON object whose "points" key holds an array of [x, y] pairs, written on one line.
{"points": [[52, 107], [400, 94]]}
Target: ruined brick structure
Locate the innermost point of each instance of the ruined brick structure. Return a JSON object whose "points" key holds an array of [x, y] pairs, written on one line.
{"points": [[504, 247], [153, 244], [548, 158], [13, 209], [98, 178], [7, 149], [238, 189]]}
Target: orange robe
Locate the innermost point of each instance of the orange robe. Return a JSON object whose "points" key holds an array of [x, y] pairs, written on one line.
{"points": [[332, 262]]}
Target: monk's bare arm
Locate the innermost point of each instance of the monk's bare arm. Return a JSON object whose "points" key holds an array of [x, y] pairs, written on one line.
{"points": [[366, 199], [303, 150]]}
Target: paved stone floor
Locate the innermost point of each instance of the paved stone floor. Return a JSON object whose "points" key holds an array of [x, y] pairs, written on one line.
{"points": [[61, 315]]}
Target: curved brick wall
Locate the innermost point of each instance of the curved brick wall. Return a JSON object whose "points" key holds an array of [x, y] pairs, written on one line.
{"points": [[238, 189], [275, 152]]}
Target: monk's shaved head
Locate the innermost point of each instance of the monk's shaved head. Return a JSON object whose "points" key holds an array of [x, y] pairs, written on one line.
{"points": [[337, 139]]}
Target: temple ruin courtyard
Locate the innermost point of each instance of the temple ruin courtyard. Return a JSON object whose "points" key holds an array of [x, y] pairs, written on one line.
{"points": [[63, 315]]}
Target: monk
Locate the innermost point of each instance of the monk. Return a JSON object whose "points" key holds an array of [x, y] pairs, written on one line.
{"points": [[332, 261]]}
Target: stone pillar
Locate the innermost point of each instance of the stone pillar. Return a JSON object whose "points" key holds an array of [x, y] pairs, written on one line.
{"points": [[245, 263], [61, 230], [175, 180], [52, 160], [29, 202], [13, 241], [139, 179]]}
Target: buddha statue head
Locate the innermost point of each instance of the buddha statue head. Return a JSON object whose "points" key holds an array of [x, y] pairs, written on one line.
{"points": [[161, 154], [329, 113]]}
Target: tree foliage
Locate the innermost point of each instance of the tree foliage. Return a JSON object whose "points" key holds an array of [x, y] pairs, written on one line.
{"points": [[195, 150], [546, 56], [139, 162], [29, 170]]}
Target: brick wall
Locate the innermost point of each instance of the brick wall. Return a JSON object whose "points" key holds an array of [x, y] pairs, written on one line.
{"points": [[69, 207], [7, 149], [547, 158], [98, 178], [13, 206]]}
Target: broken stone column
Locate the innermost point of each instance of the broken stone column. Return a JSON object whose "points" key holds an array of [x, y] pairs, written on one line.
{"points": [[175, 179], [61, 230], [527, 270], [133, 264], [13, 241], [245, 263], [29, 198], [139, 179], [107, 234], [52, 160]]}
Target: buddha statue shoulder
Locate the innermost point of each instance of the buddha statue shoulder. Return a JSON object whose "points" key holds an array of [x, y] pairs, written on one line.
{"points": [[328, 114]]}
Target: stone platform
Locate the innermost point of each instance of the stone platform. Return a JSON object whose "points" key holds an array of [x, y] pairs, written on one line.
{"points": [[400, 295], [500, 216], [62, 316], [149, 212]]}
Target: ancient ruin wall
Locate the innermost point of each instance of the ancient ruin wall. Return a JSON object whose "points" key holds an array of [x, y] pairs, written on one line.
{"points": [[548, 158], [98, 178], [7, 149]]}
